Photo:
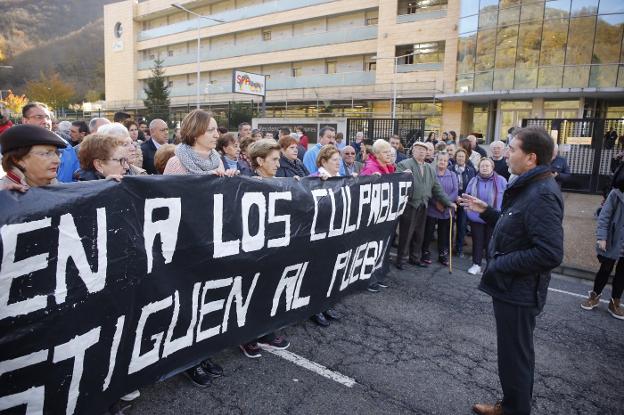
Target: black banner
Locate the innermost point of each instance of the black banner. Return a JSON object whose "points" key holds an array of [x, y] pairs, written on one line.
{"points": [[105, 286]]}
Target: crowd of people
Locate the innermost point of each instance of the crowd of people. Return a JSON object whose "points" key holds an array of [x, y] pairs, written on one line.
{"points": [[449, 175]]}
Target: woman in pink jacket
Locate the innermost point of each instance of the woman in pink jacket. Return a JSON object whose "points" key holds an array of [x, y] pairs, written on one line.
{"points": [[380, 160]]}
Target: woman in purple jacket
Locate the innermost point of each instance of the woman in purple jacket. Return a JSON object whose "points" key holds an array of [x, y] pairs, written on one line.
{"points": [[438, 214], [489, 187]]}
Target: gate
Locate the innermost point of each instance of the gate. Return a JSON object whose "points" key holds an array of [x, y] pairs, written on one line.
{"points": [[408, 129], [589, 145]]}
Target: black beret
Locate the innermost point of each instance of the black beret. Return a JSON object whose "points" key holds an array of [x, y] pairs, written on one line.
{"points": [[26, 135]]}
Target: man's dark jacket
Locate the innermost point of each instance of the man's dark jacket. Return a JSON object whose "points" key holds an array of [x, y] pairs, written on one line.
{"points": [[148, 149], [560, 165], [527, 242]]}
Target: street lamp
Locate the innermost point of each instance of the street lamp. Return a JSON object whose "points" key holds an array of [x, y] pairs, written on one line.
{"points": [[199, 17]]}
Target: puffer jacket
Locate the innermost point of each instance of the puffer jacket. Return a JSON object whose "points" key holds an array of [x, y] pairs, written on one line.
{"points": [[610, 225], [527, 242]]}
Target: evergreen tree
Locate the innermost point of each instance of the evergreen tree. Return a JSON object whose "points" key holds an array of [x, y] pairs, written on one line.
{"points": [[157, 93]]}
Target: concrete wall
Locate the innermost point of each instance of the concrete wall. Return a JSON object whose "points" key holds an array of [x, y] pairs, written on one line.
{"points": [[579, 228], [120, 57]]}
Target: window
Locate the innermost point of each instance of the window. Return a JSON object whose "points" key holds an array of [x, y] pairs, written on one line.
{"points": [[466, 53], [580, 41], [554, 39], [266, 35], [372, 21], [529, 41], [330, 67], [170, 84], [296, 71], [152, 57], [372, 66], [430, 52], [169, 53], [416, 6]]}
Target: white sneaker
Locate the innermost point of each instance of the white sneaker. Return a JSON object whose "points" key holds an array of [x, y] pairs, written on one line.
{"points": [[474, 269]]}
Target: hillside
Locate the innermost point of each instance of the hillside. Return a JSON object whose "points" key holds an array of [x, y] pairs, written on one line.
{"points": [[64, 36]]}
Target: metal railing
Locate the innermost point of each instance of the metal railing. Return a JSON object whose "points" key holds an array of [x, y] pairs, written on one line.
{"points": [[424, 15], [230, 16], [251, 48]]}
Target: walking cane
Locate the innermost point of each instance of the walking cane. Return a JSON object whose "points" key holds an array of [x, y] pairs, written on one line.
{"points": [[451, 241]]}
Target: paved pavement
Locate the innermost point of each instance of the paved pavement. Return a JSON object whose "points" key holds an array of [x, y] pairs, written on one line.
{"points": [[425, 345]]}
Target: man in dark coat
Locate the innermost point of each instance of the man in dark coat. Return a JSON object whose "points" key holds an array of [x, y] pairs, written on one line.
{"points": [[527, 243], [559, 167], [159, 133]]}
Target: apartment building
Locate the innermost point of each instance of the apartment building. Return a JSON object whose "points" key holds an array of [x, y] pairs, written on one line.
{"points": [[466, 65]]}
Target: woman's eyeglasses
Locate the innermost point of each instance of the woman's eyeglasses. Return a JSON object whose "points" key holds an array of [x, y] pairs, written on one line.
{"points": [[122, 161]]}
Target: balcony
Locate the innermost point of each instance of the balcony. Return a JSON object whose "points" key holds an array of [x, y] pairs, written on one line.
{"points": [[323, 80], [252, 48], [312, 81], [230, 16], [424, 15], [417, 67]]}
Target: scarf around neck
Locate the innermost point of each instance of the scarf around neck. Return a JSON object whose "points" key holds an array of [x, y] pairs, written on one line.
{"points": [[194, 163]]}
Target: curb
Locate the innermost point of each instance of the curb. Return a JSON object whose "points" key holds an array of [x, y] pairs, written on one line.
{"points": [[570, 271]]}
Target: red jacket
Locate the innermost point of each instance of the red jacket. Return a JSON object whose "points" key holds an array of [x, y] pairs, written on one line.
{"points": [[5, 126]]}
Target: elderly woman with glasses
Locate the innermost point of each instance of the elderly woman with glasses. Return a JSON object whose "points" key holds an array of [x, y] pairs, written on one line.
{"points": [[102, 157], [30, 157], [134, 154]]}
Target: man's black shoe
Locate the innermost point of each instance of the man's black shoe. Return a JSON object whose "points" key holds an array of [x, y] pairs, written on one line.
{"points": [[422, 264], [198, 376], [331, 314], [320, 320], [399, 265], [373, 288], [382, 284], [212, 368]]}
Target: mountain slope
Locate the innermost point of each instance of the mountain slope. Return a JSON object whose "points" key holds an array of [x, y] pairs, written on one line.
{"points": [[64, 36]]}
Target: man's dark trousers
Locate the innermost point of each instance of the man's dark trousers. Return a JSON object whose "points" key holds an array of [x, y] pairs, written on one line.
{"points": [[411, 233], [516, 355]]}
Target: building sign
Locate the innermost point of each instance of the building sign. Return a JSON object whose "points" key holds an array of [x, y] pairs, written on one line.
{"points": [[248, 83]]}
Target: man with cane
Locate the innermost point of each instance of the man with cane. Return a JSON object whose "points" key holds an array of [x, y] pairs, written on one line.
{"points": [[527, 243]]}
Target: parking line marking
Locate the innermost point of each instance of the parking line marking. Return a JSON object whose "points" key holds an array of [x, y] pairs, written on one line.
{"points": [[574, 294], [314, 367]]}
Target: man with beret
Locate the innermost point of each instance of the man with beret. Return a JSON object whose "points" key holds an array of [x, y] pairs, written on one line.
{"points": [[30, 157], [412, 222], [36, 113]]}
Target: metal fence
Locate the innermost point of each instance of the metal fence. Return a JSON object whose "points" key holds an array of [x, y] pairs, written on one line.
{"points": [[408, 129], [589, 145]]}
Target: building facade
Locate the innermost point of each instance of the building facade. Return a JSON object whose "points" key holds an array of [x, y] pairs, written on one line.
{"points": [[469, 66]]}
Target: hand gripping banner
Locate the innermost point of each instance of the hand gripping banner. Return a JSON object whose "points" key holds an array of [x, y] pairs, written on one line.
{"points": [[106, 287]]}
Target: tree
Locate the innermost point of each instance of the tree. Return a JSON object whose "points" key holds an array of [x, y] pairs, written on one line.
{"points": [[51, 90], [157, 93], [92, 95], [15, 103]]}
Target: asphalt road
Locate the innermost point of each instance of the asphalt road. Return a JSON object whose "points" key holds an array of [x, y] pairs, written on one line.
{"points": [[425, 345]]}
